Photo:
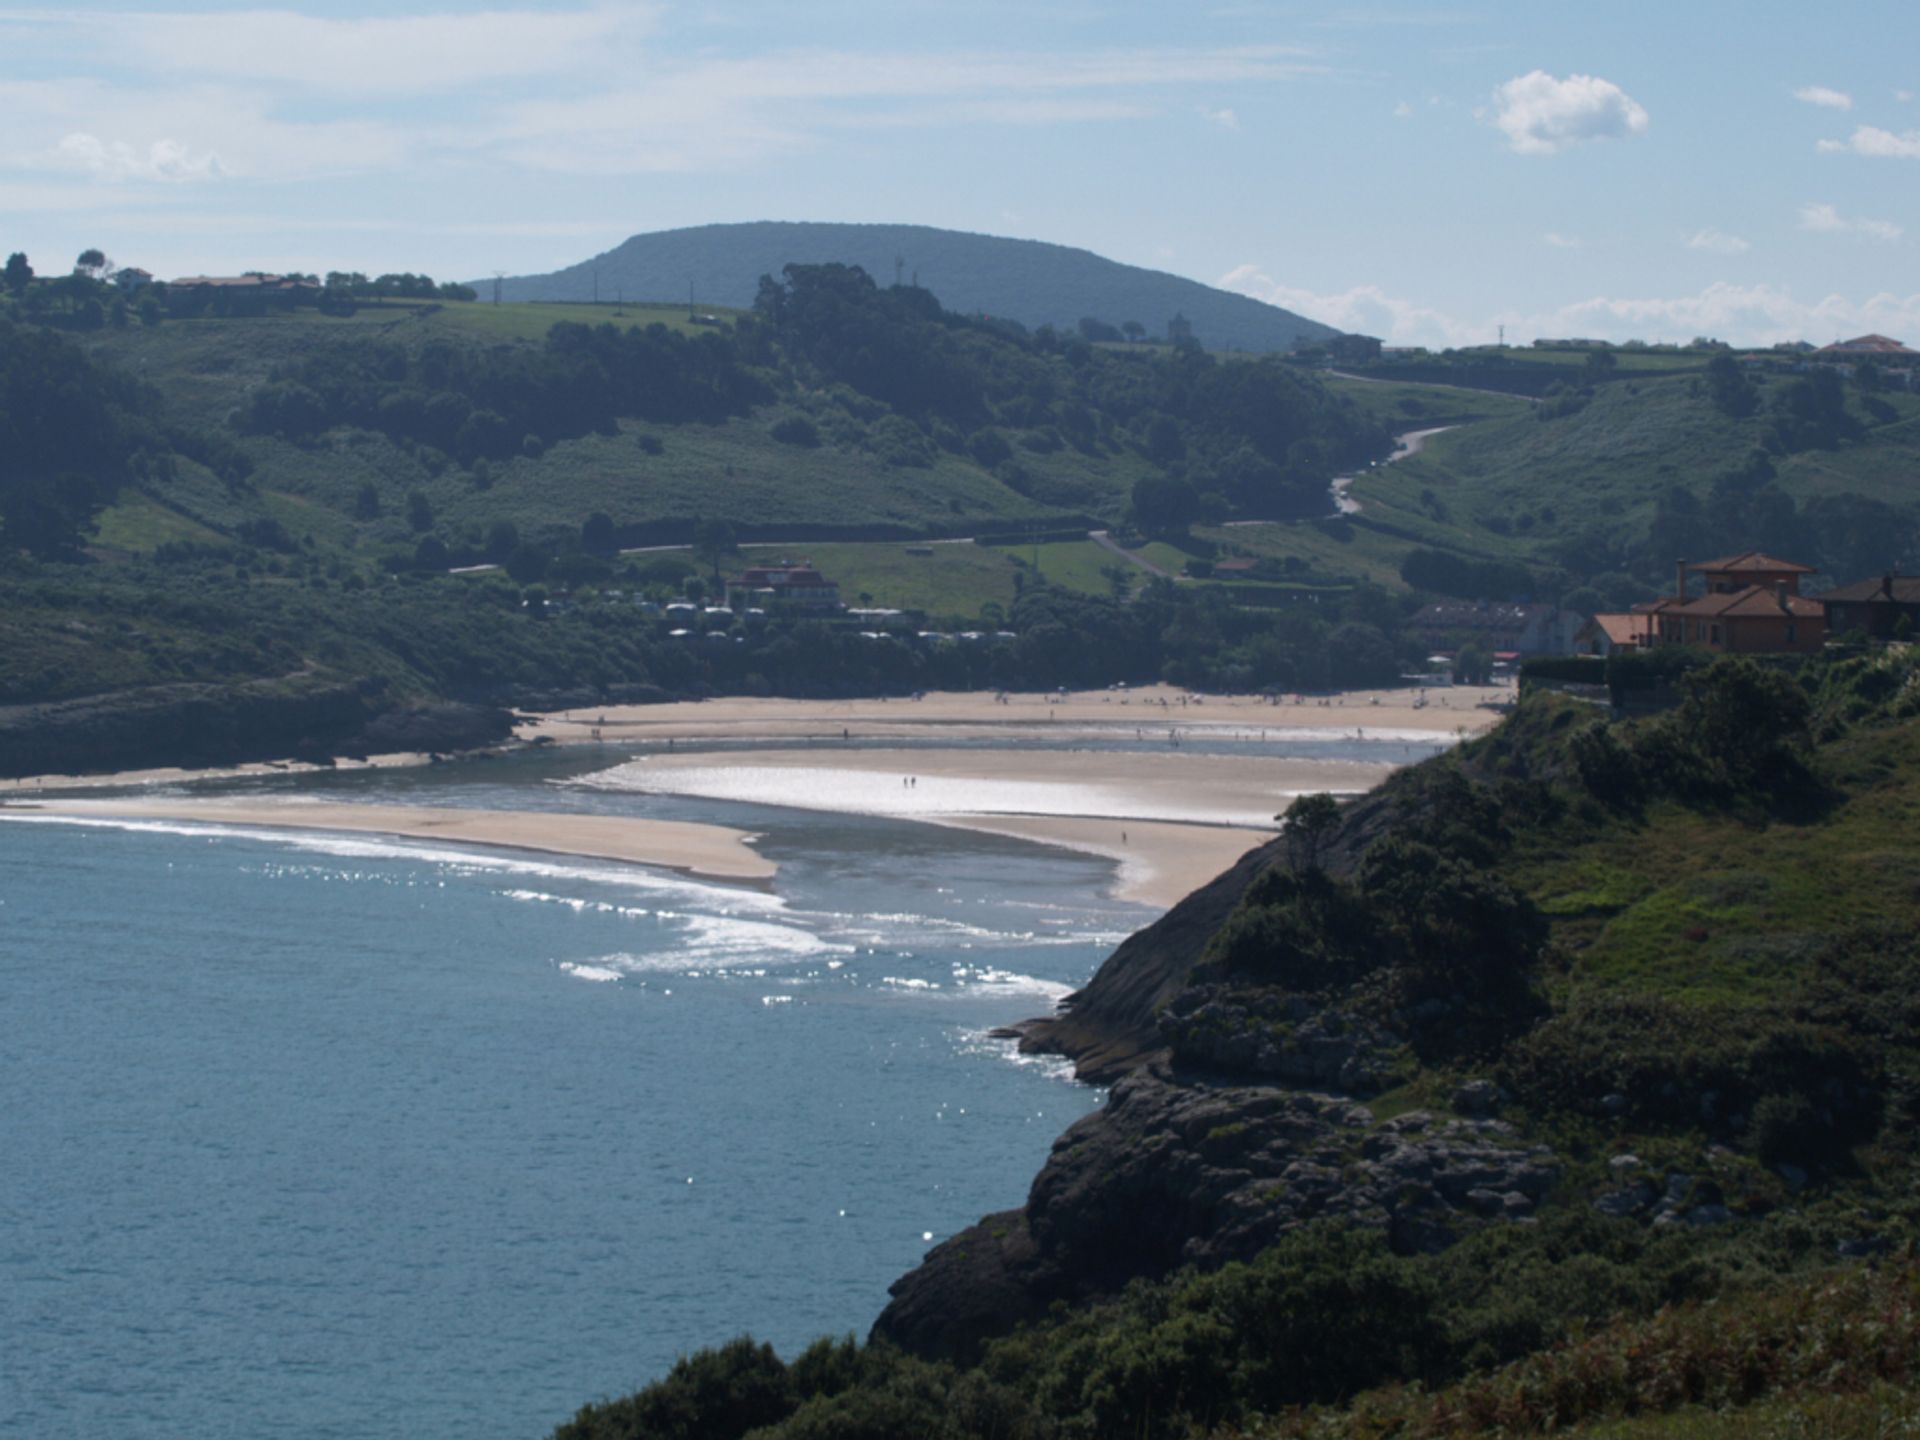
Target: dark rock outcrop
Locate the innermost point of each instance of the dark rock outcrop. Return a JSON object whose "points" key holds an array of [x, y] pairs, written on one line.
{"points": [[1172, 1172]]}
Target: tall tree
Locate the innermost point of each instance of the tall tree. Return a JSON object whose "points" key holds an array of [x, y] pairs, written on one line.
{"points": [[19, 274]]}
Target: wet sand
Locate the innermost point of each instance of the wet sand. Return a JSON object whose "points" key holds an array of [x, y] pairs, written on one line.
{"points": [[709, 851], [1184, 817]]}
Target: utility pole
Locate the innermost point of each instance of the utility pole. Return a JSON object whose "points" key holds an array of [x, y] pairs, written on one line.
{"points": [[1503, 339], [689, 299], [596, 284], [498, 276]]}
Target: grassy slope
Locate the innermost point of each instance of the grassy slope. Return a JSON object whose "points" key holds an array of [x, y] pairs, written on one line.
{"points": [[1603, 468], [736, 472], [1769, 1336]]}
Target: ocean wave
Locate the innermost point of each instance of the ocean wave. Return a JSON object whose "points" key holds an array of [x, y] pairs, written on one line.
{"points": [[989, 980], [997, 1047], [598, 973], [348, 846]]}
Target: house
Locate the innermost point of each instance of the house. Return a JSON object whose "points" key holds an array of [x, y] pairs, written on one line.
{"points": [[1866, 347], [1752, 606], [131, 278], [1604, 634], [798, 585], [1496, 627], [1874, 607], [241, 294], [1353, 349]]}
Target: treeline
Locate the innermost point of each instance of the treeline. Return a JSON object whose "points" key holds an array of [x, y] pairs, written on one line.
{"points": [[1244, 437], [477, 404], [71, 434], [232, 614]]}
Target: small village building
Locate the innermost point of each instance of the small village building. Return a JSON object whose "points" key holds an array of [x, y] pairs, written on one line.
{"points": [[1495, 627], [1867, 347], [1353, 349], [1752, 606], [796, 585], [241, 294], [1604, 634], [131, 278], [1875, 607], [1179, 328]]}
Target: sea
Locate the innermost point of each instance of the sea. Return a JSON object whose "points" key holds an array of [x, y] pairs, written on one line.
{"points": [[346, 1136]]}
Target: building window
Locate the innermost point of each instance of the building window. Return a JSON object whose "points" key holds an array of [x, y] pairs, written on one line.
{"points": [[1713, 635], [1791, 632]]}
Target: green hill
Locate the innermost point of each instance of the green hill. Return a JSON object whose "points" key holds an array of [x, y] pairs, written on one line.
{"points": [[1023, 280], [1605, 485], [1562, 1082]]}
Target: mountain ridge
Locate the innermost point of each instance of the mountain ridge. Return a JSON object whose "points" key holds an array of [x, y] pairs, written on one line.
{"points": [[1032, 281]]}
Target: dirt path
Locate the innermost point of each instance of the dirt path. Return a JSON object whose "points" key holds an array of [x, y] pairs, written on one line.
{"points": [[1106, 541]]}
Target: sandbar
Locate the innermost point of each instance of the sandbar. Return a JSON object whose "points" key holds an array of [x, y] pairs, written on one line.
{"points": [[712, 852], [1443, 713], [1160, 864]]}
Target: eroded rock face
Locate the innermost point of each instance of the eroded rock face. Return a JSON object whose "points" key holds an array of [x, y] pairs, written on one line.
{"points": [[1283, 1036], [1175, 1172]]}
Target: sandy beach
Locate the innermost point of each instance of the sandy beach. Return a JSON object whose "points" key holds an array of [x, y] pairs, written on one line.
{"points": [[710, 851], [1172, 819], [981, 714]]}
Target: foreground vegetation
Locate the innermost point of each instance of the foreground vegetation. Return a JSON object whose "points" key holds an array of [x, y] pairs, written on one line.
{"points": [[1685, 950]]}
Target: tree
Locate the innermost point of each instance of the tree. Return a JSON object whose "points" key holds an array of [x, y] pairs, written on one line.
{"points": [[1133, 330], [1472, 666], [1729, 389], [19, 274], [1600, 365], [419, 512], [91, 263], [1163, 505], [503, 538], [711, 540], [597, 535], [1309, 821]]}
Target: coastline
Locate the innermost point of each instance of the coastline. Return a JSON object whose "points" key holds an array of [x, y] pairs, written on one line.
{"points": [[1170, 819], [710, 852]]}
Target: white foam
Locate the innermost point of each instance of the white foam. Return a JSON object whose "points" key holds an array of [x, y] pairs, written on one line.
{"points": [[998, 1047], [373, 847], [988, 980], [600, 973]]}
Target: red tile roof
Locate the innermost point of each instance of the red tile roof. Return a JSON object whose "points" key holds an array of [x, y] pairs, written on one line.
{"points": [[1751, 560], [1622, 629], [1753, 600], [1867, 345]]}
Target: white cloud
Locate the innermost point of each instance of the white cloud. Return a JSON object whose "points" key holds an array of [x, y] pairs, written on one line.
{"points": [[1402, 111], [1225, 119], [1540, 114], [186, 133], [1363, 310], [1903, 96], [401, 55], [726, 113], [1880, 144], [1561, 242], [1825, 219], [1745, 315], [164, 160], [1821, 95], [1718, 241]]}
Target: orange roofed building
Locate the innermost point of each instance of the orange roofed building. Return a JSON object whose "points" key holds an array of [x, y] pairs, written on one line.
{"points": [[799, 585], [1752, 606]]}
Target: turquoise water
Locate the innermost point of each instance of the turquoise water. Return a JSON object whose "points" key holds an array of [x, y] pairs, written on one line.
{"points": [[333, 1136]]}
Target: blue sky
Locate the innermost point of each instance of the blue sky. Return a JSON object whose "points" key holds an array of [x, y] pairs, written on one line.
{"points": [[1425, 172]]}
